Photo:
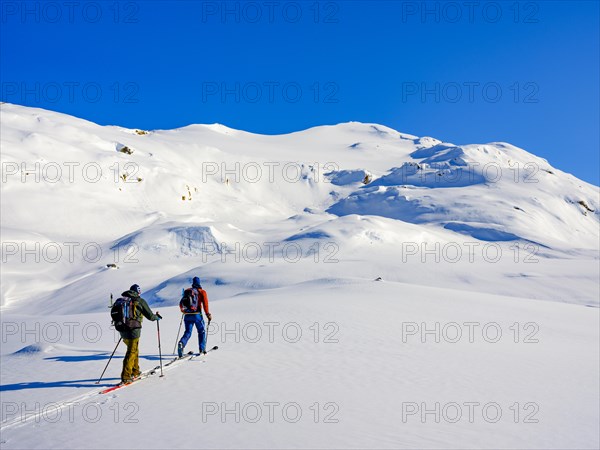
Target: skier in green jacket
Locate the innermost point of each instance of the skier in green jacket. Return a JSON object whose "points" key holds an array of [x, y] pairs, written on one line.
{"points": [[131, 368]]}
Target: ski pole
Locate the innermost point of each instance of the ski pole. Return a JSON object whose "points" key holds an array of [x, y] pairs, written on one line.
{"points": [[159, 350], [109, 361], [206, 335], [178, 331]]}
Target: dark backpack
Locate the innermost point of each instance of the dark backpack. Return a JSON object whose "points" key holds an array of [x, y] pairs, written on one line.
{"points": [[123, 314], [189, 301]]}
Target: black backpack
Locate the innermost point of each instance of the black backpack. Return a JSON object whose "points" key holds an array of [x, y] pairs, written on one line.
{"points": [[189, 301], [123, 314]]}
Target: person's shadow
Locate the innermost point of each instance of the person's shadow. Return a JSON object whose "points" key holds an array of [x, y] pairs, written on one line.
{"points": [[86, 383], [53, 384]]}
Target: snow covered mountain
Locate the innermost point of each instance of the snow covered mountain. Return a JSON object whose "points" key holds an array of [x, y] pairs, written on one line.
{"points": [[374, 201], [347, 268]]}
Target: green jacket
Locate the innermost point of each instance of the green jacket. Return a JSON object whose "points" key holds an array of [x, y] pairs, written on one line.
{"points": [[141, 310]]}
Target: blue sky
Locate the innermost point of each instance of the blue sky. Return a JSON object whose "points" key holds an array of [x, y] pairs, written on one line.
{"points": [[465, 72]]}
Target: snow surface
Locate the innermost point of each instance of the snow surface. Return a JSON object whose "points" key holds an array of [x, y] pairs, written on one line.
{"points": [[288, 234]]}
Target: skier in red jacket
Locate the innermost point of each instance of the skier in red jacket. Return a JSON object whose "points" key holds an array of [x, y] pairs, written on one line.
{"points": [[193, 302]]}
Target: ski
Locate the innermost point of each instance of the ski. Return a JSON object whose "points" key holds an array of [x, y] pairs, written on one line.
{"points": [[216, 347], [142, 376], [174, 360], [145, 374]]}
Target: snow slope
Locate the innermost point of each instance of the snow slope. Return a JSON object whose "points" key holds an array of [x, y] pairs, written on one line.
{"points": [[294, 229], [352, 365]]}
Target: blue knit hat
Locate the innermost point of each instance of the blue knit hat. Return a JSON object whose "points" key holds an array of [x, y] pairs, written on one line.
{"points": [[196, 282], [135, 288]]}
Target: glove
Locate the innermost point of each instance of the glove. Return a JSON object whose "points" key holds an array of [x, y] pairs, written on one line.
{"points": [[158, 316], [209, 315]]}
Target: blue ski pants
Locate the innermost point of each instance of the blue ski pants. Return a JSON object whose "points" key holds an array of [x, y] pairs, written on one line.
{"points": [[190, 321]]}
